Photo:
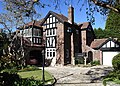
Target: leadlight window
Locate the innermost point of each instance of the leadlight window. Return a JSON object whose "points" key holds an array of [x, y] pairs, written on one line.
{"points": [[36, 32], [50, 52], [51, 32]]}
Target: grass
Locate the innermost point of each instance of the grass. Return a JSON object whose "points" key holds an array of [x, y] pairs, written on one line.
{"points": [[37, 75]]}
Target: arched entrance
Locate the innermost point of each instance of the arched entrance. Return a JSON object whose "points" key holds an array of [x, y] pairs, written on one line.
{"points": [[90, 57]]}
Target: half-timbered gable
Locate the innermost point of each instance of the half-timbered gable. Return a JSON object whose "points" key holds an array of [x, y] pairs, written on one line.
{"points": [[62, 37], [107, 48], [110, 45], [53, 25]]}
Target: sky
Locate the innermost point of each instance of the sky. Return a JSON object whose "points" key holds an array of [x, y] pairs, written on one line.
{"points": [[79, 16]]}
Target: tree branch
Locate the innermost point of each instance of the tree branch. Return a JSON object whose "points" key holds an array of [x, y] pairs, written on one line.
{"points": [[106, 6]]}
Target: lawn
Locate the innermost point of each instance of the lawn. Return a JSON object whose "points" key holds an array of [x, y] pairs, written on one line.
{"points": [[37, 75]]}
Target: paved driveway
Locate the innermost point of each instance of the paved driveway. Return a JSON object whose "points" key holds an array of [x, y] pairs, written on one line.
{"points": [[78, 76]]}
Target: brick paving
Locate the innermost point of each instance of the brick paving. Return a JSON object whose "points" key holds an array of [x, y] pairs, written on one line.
{"points": [[78, 76]]}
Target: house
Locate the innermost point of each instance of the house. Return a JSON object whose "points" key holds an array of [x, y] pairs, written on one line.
{"points": [[102, 50], [105, 49], [29, 39], [62, 39], [62, 36]]}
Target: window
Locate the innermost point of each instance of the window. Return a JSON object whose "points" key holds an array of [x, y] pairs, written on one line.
{"points": [[34, 41], [53, 24], [50, 52], [47, 25], [50, 42], [50, 25], [36, 32], [53, 54], [40, 40], [51, 32]]}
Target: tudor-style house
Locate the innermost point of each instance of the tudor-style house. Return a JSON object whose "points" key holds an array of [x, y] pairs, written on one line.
{"points": [[63, 39]]}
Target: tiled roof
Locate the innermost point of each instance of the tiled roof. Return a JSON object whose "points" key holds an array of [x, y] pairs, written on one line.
{"points": [[98, 42], [34, 23], [61, 16]]}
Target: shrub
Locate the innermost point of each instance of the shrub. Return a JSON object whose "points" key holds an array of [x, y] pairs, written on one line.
{"points": [[8, 79], [94, 63], [116, 62], [113, 76], [11, 71], [79, 61]]}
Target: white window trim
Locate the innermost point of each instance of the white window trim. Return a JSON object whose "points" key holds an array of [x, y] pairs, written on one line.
{"points": [[48, 31], [48, 51]]}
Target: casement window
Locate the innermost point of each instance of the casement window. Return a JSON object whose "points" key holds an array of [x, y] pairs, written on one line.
{"points": [[36, 32], [50, 53], [37, 40], [51, 32], [51, 42]]}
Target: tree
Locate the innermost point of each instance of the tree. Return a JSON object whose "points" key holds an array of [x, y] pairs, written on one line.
{"points": [[93, 6], [19, 12], [113, 24], [110, 4], [99, 33]]}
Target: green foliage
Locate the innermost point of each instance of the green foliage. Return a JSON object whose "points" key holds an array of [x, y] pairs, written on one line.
{"points": [[8, 79], [113, 24], [29, 68], [11, 71], [94, 63], [113, 76], [79, 61], [6, 62], [99, 33], [116, 62]]}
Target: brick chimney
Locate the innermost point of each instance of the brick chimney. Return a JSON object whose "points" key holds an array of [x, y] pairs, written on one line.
{"points": [[71, 14]]}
